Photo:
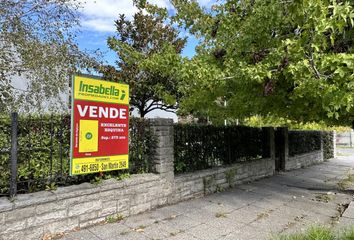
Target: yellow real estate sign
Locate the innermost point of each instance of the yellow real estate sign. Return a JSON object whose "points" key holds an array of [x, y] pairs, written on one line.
{"points": [[100, 126]]}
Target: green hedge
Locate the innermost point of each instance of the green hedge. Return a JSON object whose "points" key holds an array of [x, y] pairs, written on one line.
{"points": [[5, 131], [44, 148], [328, 147], [198, 147], [301, 142]]}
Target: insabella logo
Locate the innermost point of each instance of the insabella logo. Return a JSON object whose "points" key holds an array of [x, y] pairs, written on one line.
{"points": [[100, 89]]}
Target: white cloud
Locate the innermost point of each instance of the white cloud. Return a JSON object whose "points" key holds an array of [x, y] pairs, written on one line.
{"points": [[99, 15], [99, 24]]}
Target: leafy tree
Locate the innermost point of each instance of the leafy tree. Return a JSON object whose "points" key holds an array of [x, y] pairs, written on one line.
{"points": [[37, 48], [137, 40], [292, 59]]}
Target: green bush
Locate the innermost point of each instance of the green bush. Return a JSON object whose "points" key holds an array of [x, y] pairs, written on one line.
{"points": [[304, 142], [328, 148]]}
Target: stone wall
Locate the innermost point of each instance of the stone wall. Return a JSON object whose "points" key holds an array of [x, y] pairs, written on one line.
{"points": [[31, 216], [304, 160], [300, 160], [198, 184]]}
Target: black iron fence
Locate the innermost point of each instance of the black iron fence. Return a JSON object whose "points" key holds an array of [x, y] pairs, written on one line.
{"points": [[37, 148], [198, 147]]}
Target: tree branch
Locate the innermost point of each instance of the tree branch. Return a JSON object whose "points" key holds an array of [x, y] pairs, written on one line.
{"points": [[158, 108], [151, 105], [313, 66], [161, 106]]}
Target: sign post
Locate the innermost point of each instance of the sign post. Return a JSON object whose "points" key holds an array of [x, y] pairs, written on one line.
{"points": [[99, 126]]}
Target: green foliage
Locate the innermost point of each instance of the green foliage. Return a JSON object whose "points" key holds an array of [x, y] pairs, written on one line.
{"points": [[41, 143], [198, 147], [319, 233], [271, 121], [142, 146], [348, 235], [96, 180], [288, 59], [328, 145], [123, 176], [119, 175], [43, 153], [308, 141], [114, 218], [51, 187], [5, 131], [137, 40], [303, 142]]}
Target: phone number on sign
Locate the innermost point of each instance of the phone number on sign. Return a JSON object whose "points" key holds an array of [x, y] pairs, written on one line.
{"points": [[96, 167]]}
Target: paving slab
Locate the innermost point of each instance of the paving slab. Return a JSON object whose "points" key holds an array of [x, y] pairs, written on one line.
{"points": [[81, 235], [247, 214], [246, 232], [160, 231], [183, 236], [206, 232], [349, 212], [108, 231], [144, 219], [285, 203], [219, 207], [315, 207], [271, 202], [128, 236], [345, 223], [270, 222], [183, 222]]}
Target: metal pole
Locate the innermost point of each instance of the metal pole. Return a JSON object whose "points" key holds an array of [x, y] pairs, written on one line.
{"points": [[13, 179]]}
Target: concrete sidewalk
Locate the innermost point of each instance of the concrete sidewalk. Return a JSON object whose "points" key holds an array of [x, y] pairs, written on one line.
{"points": [[286, 203]]}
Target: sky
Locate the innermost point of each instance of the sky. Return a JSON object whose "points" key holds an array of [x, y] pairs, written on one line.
{"points": [[97, 24]]}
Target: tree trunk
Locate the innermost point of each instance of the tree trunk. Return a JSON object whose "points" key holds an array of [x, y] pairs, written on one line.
{"points": [[142, 112]]}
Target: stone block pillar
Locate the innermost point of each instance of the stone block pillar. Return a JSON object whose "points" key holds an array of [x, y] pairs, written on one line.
{"points": [[164, 155]]}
